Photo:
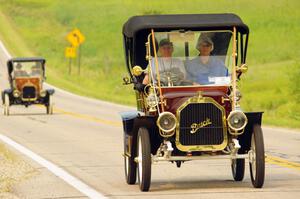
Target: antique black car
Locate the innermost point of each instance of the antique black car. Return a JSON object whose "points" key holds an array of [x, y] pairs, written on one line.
{"points": [[185, 71], [26, 77]]}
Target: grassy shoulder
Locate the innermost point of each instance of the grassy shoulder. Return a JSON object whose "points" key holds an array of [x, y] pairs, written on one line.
{"points": [[91, 83], [276, 93], [33, 27]]}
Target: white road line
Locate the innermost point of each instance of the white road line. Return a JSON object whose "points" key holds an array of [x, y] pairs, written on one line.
{"points": [[71, 180], [7, 54]]}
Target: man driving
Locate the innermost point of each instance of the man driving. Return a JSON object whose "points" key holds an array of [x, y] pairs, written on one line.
{"points": [[205, 65], [169, 67], [19, 72]]}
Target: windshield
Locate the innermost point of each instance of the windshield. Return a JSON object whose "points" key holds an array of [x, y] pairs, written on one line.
{"points": [[192, 58], [27, 69]]}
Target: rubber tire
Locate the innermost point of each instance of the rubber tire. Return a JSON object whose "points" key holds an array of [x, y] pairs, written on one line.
{"points": [[238, 169], [178, 164], [259, 178], [130, 172], [143, 141], [4, 109], [6, 104], [49, 107]]}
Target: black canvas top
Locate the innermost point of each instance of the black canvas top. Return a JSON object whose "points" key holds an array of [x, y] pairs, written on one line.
{"points": [[27, 59], [183, 21]]}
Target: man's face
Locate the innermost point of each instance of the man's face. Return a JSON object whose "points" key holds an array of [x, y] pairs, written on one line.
{"points": [[18, 66], [205, 49], [166, 50]]}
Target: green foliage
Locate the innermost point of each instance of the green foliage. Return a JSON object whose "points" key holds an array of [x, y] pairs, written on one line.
{"points": [[268, 88], [41, 26], [295, 81], [295, 91]]}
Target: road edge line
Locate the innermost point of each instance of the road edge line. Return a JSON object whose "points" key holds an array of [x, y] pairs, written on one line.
{"points": [[56, 170]]}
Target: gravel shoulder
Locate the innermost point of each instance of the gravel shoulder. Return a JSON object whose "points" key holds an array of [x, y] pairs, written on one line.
{"points": [[13, 170], [20, 177]]}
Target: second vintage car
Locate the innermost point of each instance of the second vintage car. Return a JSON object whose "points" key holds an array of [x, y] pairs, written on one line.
{"points": [[26, 77]]}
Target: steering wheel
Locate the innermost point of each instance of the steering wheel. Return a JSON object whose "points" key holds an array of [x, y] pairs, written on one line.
{"points": [[171, 77]]}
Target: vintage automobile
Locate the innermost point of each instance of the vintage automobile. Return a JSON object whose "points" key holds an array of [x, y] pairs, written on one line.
{"points": [[186, 70], [26, 77]]}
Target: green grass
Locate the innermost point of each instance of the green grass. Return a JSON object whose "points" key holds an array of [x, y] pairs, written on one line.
{"points": [[274, 93], [34, 27]]}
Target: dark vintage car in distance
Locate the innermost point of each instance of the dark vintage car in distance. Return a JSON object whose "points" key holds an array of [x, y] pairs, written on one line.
{"points": [[185, 71], [26, 77]]}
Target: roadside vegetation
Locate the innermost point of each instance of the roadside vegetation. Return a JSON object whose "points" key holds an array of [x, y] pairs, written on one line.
{"points": [[34, 27]]}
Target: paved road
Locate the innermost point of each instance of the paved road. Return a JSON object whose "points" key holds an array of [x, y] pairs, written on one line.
{"points": [[84, 137]]}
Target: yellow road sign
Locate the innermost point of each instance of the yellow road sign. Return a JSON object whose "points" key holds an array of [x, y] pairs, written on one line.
{"points": [[70, 52], [75, 37], [79, 35]]}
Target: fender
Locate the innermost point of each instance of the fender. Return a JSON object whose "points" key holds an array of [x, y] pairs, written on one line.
{"points": [[6, 91], [245, 138], [50, 91], [132, 121], [128, 121]]}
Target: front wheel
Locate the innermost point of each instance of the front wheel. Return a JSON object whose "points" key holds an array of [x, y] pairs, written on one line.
{"points": [[130, 166], [257, 157], [238, 169], [144, 159], [6, 104], [49, 107]]}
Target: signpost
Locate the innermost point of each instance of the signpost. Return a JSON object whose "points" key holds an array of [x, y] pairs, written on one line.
{"points": [[75, 38], [70, 53]]}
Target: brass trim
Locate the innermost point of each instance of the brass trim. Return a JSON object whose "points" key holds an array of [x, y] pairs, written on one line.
{"points": [[166, 134], [29, 99], [233, 75], [137, 70], [223, 99], [157, 70], [43, 93], [233, 131], [159, 118], [200, 99], [17, 93], [236, 133], [196, 126], [150, 69], [195, 86], [242, 69]]}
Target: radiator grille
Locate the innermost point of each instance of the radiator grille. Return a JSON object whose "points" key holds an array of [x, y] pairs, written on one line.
{"points": [[208, 134], [29, 92]]}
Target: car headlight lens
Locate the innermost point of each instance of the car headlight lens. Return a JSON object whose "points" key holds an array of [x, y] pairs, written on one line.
{"points": [[237, 120], [43, 93], [166, 122], [16, 93]]}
